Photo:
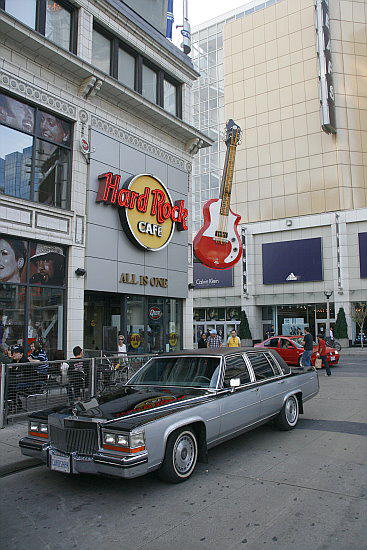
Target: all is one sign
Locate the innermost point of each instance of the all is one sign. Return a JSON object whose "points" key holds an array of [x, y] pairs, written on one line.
{"points": [[145, 207]]}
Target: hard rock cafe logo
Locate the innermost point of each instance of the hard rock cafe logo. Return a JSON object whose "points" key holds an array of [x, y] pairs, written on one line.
{"points": [[145, 207]]}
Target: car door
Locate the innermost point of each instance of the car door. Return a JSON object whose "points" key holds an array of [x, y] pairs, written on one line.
{"points": [[239, 407], [271, 382], [288, 351]]}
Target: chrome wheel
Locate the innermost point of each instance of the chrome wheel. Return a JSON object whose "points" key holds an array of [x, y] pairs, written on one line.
{"points": [[184, 454], [291, 410]]}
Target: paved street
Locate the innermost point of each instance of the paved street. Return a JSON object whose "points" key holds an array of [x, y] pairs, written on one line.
{"points": [[304, 489]]}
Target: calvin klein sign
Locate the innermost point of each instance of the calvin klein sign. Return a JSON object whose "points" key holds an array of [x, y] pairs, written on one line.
{"points": [[327, 95]]}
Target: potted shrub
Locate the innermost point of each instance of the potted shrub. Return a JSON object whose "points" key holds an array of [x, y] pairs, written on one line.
{"points": [[341, 329], [244, 331]]}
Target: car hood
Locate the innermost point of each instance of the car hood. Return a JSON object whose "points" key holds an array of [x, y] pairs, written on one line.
{"points": [[131, 400]]}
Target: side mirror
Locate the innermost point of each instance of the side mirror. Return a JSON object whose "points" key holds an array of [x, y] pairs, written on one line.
{"points": [[234, 383]]}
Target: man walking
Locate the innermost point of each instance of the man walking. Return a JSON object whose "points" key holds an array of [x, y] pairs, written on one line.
{"points": [[308, 349], [321, 352], [214, 340]]}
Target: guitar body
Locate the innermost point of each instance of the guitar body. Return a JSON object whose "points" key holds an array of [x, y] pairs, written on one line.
{"points": [[208, 248]]}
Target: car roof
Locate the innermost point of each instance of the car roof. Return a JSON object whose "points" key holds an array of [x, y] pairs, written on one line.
{"points": [[211, 351]]}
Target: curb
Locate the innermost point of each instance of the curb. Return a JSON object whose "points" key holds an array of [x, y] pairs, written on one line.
{"points": [[18, 466]]}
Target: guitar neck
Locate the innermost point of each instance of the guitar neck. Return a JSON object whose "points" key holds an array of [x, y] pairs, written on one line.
{"points": [[227, 179]]}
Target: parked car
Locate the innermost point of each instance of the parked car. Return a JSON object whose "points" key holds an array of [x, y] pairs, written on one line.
{"points": [[175, 408], [290, 348]]}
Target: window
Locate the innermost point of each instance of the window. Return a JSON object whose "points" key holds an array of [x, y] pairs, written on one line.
{"points": [[101, 51], [35, 154], [32, 295], [261, 366], [128, 66], [236, 368], [149, 84], [276, 368], [126, 69], [55, 19], [272, 343]]}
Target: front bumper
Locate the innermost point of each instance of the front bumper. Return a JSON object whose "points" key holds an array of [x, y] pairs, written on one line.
{"points": [[99, 463]]}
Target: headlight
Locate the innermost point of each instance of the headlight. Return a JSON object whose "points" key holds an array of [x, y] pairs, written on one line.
{"points": [[137, 440], [109, 438], [39, 429], [33, 426], [125, 443], [123, 440], [43, 428]]}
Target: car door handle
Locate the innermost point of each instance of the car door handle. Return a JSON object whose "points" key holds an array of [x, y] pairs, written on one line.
{"points": [[280, 381], [256, 389]]}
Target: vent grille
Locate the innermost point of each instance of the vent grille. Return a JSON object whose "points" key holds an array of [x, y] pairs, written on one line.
{"points": [[69, 440]]}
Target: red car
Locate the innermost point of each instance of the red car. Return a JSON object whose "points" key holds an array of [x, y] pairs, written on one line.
{"points": [[291, 349]]}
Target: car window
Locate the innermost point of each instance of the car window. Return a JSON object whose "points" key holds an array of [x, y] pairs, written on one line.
{"points": [[272, 343], [276, 368], [261, 366], [286, 344], [236, 368]]}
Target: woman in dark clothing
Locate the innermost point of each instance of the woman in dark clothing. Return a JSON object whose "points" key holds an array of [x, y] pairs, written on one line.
{"points": [[202, 343]]}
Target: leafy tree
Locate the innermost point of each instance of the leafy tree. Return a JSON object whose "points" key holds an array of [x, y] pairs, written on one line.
{"points": [[341, 327], [359, 315], [244, 329]]}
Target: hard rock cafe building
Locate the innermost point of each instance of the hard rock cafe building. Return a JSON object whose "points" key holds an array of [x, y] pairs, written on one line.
{"points": [[95, 170]]}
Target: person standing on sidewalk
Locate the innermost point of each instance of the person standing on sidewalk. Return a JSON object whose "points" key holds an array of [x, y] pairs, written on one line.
{"points": [[321, 352], [233, 341], [308, 349], [214, 340]]}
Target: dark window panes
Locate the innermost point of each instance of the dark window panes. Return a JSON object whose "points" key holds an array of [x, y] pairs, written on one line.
{"points": [[17, 114], [58, 24], [286, 344], [199, 314], [23, 10], [126, 68], [276, 368], [46, 317], [273, 343], [236, 368], [16, 151], [149, 84], [12, 301], [53, 128], [47, 264], [135, 324], [13, 260], [212, 314], [261, 366], [232, 313], [170, 97], [52, 167], [101, 52]]}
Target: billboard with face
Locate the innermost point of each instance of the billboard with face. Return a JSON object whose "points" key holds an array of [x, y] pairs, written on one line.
{"points": [[292, 261]]}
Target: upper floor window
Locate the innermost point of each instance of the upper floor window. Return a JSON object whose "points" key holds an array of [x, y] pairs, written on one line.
{"points": [[134, 71], [35, 153], [55, 19]]}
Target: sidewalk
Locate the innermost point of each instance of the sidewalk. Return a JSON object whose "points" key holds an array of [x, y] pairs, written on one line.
{"points": [[11, 458], [360, 352]]}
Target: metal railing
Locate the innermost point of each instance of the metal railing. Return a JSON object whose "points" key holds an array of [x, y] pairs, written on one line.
{"points": [[28, 387]]}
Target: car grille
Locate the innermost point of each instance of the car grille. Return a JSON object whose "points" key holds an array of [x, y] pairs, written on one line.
{"points": [[69, 440]]}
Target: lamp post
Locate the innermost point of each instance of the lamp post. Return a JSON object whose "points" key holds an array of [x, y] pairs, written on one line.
{"points": [[328, 294]]}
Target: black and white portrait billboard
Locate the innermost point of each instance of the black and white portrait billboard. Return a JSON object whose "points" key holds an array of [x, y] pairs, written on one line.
{"points": [[292, 261]]}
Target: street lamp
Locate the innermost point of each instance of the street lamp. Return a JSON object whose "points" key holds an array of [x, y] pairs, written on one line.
{"points": [[328, 294]]}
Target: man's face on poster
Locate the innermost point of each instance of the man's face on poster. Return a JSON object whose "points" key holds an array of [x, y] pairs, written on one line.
{"points": [[9, 265], [45, 267], [51, 128]]}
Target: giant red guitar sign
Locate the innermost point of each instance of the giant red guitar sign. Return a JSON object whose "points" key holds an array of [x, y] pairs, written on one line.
{"points": [[218, 244]]}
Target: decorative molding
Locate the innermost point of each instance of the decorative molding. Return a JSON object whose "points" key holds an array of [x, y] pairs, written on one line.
{"points": [[52, 223], [39, 96], [79, 230], [83, 116], [139, 143], [16, 215]]}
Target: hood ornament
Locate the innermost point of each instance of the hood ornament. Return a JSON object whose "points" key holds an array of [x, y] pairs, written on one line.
{"points": [[74, 410]]}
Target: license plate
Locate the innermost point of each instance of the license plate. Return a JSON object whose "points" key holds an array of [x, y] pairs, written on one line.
{"points": [[332, 358], [59, 462]]}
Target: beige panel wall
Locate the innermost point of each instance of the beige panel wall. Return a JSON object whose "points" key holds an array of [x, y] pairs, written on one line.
{"points": [[286, 165]]}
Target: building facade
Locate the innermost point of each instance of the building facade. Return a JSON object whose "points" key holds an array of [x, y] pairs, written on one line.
{"points": [[95, 158], [301, 192]]}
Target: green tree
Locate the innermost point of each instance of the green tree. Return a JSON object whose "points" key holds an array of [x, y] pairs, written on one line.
{"points": [[341, 327], [244, 329]]}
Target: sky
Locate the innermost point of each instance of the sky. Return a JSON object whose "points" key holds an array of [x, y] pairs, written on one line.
{"points": [[203, 10]]}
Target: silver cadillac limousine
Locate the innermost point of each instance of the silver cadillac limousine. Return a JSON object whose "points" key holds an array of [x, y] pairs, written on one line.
{"points": [[167, 416]]}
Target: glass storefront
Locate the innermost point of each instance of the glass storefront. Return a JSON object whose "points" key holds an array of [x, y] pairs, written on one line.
{"points": [[32, 294], [222, 319], [289, 320], [150, 324]]}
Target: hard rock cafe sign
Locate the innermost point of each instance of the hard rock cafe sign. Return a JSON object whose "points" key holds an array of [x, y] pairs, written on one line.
{"points": [[145, 207]]}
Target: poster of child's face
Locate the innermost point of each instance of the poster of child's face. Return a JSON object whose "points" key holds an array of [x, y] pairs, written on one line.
{"points": [[53, 128], [47, 265], [16, 114], [13, 259]]}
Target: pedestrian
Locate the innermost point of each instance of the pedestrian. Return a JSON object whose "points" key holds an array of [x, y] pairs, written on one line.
{"points": [[308, 349], [38, 355], [331, 334], [121, 346], [5, 355], [202, 343], [321, 352], [233, 340], [214, 341], [76, 376]]}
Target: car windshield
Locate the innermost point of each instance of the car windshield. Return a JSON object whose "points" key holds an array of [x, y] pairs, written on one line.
{"points": [[201, 372], [298, 342]]}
